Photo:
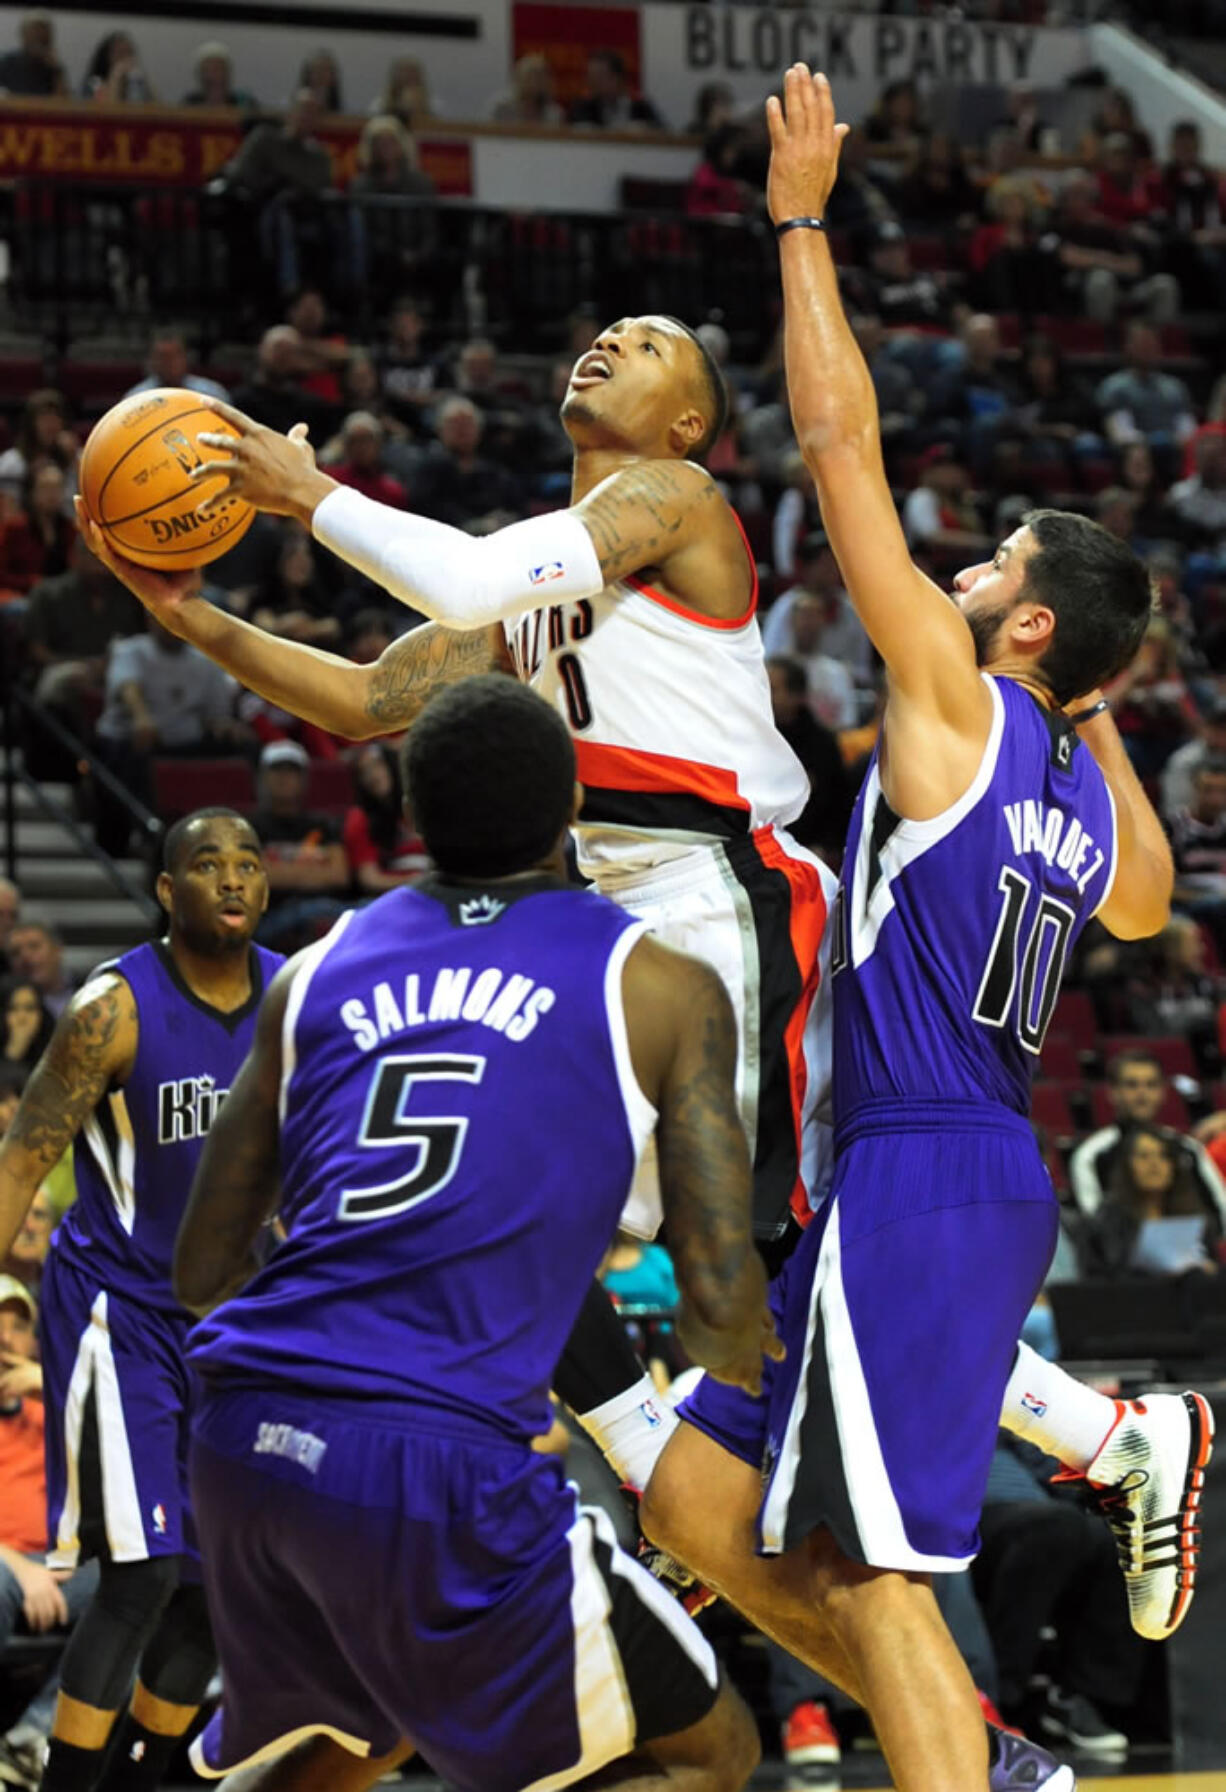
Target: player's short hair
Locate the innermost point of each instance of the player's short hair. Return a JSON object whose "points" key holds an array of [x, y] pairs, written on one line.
{"points": [[489, 771], [715, 393], [1136, 1054], [795, 678], [175, 842], [1099, 592]]}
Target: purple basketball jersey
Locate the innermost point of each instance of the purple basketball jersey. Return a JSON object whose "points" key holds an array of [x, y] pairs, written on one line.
{"points": [[951, 935], [138, 1150], [460, 1124]]}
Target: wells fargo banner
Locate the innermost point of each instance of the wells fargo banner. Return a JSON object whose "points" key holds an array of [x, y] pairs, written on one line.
{"points": [[152, 147]]}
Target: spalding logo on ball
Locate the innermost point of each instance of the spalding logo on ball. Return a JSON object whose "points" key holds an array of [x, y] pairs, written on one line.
{"points": [[136, 481]]}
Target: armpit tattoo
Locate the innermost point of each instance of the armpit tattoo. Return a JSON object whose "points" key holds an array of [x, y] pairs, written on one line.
{"points": [[73, 1074], [420, 663]]}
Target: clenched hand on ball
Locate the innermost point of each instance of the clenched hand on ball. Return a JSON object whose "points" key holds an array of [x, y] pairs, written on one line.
{"points": [[271, 471]]}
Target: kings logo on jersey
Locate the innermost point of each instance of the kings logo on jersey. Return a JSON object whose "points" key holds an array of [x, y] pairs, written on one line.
{"points": [[187, 1108]]}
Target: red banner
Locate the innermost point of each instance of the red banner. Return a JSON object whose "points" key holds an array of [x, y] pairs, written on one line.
{"points": [[178, 149], [565, 35]]}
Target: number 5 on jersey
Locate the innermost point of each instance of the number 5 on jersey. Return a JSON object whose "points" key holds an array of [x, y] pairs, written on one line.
{"points": [[436, 1141]]}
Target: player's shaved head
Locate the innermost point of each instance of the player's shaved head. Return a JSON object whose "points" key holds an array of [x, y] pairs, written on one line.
{"points": [[190, 833], [489, 772]]}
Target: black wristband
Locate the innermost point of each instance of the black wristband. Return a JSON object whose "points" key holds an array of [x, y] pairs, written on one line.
{"points": [[800, 224], [1088, 715]]}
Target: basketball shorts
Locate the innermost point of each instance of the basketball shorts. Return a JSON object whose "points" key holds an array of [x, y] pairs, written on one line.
{"points": [[373, 1580], [902, 1308], [116, 1390], [756, 910]]}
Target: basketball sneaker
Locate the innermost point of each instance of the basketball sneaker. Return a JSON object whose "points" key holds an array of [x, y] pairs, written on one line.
{"points": [[1021, 1766], [809, 1737], [1147, 1481]]}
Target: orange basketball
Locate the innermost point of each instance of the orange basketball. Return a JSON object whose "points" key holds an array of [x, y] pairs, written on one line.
{"points": [[135, 481]]}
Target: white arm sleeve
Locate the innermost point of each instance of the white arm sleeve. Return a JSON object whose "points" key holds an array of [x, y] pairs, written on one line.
{"points": [[462, 581]]}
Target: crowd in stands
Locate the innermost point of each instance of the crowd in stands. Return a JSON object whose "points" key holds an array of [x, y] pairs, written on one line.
{"points": [[1035, 336]]}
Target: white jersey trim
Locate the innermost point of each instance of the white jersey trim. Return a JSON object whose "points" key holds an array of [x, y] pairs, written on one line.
{"points": [[641, 1116], [311, 961], [121, 1509], [1115, 851]]}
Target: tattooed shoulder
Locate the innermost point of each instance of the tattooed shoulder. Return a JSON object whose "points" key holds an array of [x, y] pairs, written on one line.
{"points": [[425, 660], [93, 1045], [641, 515]]}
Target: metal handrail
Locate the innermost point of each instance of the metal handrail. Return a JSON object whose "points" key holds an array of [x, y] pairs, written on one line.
{"points": [[150, 826]]}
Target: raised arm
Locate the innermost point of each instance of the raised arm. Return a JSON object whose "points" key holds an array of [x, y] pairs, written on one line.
{"points": [[1139, 901], [919, 633], [93, 1046], [683, 1044], [355, 701], [236, 1187]]}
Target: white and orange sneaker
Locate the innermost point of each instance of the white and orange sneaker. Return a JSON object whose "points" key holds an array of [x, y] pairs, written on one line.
{"points": [[1147, 1481]]}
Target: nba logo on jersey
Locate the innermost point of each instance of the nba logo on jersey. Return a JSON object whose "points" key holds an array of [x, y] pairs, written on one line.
{"points": [[545, 575], [159, 1519], [1033, 1404], [480, 910], [652, 1414]]}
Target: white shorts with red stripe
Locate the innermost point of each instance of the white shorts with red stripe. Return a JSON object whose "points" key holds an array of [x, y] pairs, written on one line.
{"points": [[755, 909]]}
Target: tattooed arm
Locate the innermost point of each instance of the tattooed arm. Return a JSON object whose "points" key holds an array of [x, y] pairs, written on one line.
{"points": [[237, 1182], [92, 1049], [683, 1046]]}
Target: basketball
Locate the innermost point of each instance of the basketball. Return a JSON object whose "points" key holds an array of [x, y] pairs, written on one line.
{"points": [[136, 484]]}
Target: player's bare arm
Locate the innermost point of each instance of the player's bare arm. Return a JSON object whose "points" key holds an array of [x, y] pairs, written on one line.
{"points": [[92, 1050], [922, 637], [237, 1183], [683, 1044], [1139, 902], [667, 521], [358, 702]]}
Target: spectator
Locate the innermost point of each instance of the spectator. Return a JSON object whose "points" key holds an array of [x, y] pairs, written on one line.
{"points": [[381, 844], [69, 624], [714, 105], [1154, 1218], [1010, 270], [42, 434], [896, 118], [458, 484], [831, 687], [1153, 706], [895, 291], [308, 873], [1178, 996], [215, 80], [12, 1082], [406, 94], [843, 636], [530, 98], [10, 907], [1117, 114], [33, 1601], [407, 373], [1193, 198], [387, 161], [608, 103], [28, 1252], [323, 353], [169, 366], [1138, 1090], [1139, 478], [1097, 265], [369, 635], [713, 190], [1139, 401], [37, 543], [28, 1023], [640, 1274], [34, 71], [939, 513], [276, 395], [1179, 772], [979, 395], [294, 602], [936, 190], [320, 76], [361, 463], [767, 433], [1127, 195], [859, 202], [822, 824], [286, 157], [115, 76], [37, 952], [900, 401], [1198, 845], [1047, 1564], [1056, 406], [1023, 118], [1199, 501]]}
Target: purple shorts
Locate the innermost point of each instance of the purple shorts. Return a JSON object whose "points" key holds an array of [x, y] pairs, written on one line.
{"points": [[116, 1390], [376, 1579], [904, 1303], [735, 1420]]}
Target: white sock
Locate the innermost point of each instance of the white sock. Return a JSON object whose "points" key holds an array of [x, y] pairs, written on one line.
{"points": [[631, 1430], [1048, 1407]]}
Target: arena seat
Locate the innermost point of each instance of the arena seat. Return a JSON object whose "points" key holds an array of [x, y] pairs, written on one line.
{"points": [[1074, 1019], [329, 784], [181, 785], [1060, 1059], [1049, 1108]]}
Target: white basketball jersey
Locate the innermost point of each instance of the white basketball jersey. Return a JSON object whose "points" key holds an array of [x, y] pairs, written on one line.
{"points": [[675, 741]]}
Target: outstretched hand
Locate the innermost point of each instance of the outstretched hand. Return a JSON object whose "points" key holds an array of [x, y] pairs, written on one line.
{"points": [[162, 593], [274, 472], [805, 145]]}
